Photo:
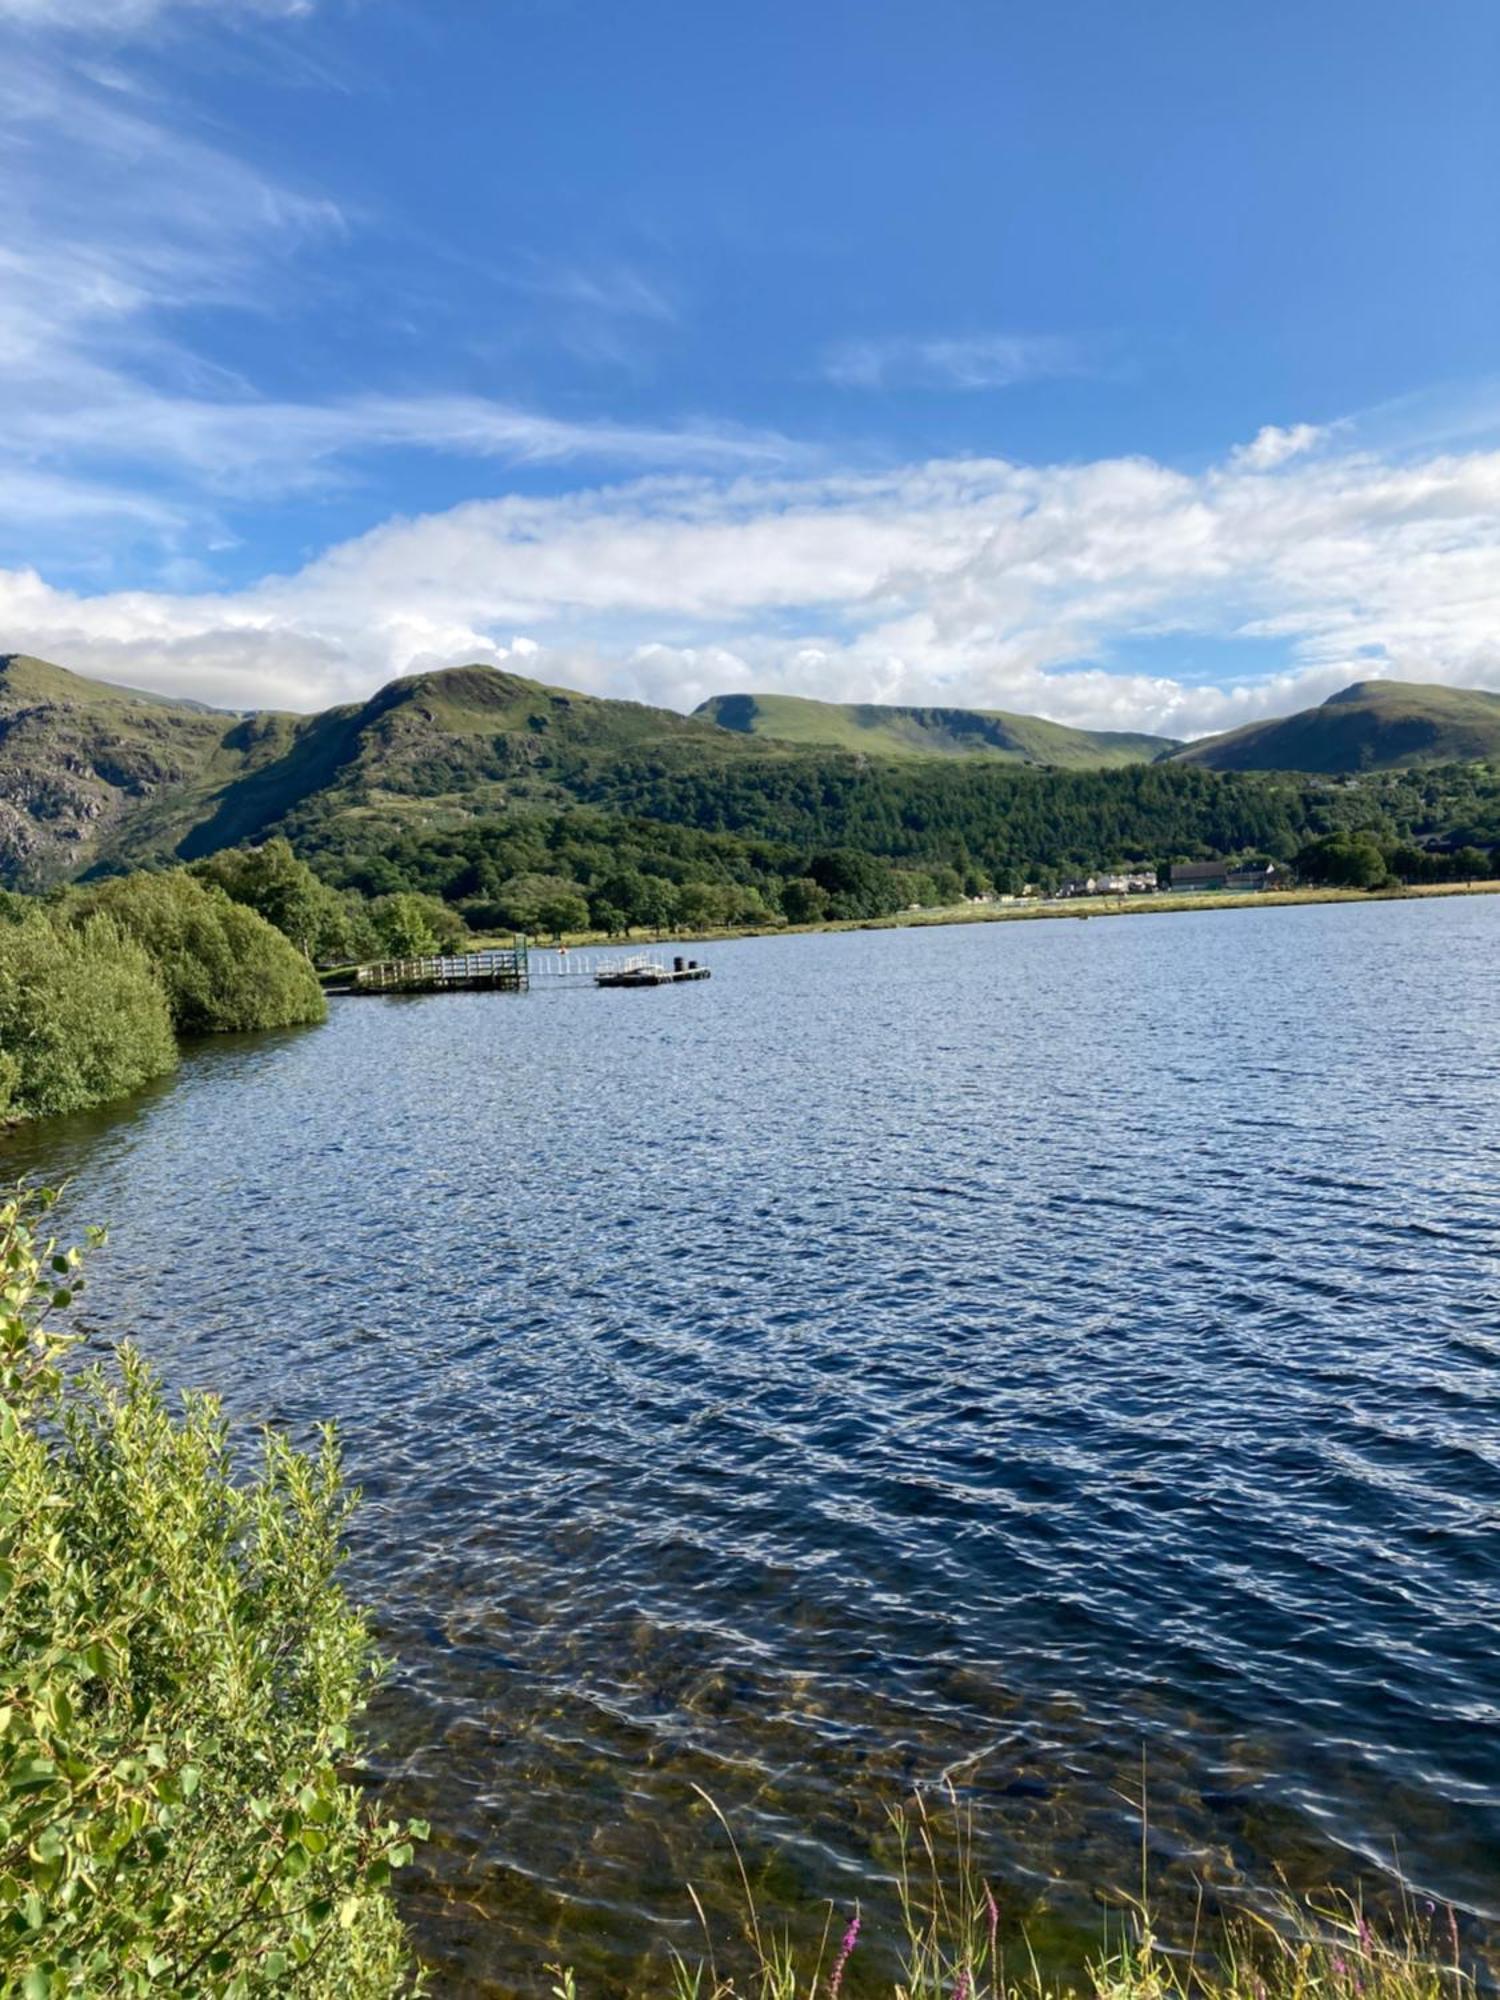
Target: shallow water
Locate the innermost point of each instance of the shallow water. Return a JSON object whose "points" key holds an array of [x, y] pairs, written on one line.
{"points": [[1021, 1352]]}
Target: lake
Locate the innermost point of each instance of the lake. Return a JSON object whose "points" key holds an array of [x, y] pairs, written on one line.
{"points": [[1029, 1354]]}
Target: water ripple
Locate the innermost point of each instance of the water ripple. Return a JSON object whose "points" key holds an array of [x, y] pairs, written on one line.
{"points": [[990, 1354]]}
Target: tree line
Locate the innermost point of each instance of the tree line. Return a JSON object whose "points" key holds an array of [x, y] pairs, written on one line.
{"points": [[799, 844]]}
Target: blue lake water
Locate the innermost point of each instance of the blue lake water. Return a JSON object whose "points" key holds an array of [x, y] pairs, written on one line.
{"points": [[1025, 1353]]}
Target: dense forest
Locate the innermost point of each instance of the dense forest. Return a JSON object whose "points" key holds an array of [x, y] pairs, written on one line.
{"points": [[743, 845], [1036, 824]]}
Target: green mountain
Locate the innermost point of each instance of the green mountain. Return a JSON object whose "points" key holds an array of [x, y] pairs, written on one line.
{"points": [[1372, 726], [875, 730], [95, 775]]}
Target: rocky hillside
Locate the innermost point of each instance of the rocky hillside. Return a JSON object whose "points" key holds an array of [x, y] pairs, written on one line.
{"points": [[94, 777], [84, 764]]}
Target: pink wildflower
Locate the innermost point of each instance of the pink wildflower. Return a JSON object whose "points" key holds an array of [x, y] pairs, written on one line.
{"points": [[851, 1939]]}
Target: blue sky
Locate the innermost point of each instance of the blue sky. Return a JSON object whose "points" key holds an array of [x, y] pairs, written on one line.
{"points": [[1132, 364]]}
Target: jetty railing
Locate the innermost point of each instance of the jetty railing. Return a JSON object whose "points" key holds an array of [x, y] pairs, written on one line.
{"points": [[514, 969], [505, 970], [568, 963]]}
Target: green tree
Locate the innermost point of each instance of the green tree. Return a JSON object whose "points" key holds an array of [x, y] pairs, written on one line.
{"points": [[271, 881], [1344, 860], [627, 891], [748, 906], [179, 1669], [83, 1018], [857, 884], [804, 901], [565, 909], [701, 905], [658, 903], [1411, 864], [1470, 865], [223, 966], [410, 925], [528, 899]]}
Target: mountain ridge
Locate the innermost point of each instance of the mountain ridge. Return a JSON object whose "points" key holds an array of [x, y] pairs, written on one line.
{"points": [[1373, 725], [907, 730], [95, 776]]}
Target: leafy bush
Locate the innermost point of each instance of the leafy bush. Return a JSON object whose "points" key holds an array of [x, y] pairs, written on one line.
{"points": [[178, 1671], [82, 1017], [1345, 860], [224, 967], [271, 881]]}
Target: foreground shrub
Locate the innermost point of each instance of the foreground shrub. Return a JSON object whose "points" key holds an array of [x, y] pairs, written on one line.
{"points": [[82, 1018], [224, 967], [178, 1671]]}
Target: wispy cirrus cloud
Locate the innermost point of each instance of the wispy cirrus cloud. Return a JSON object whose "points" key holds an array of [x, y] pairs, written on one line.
{"points": [[122, 220], [611, 286], [120, 17], [947, 361]]}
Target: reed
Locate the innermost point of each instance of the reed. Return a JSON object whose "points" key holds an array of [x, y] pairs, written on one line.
{"points": [[950, 1944]]}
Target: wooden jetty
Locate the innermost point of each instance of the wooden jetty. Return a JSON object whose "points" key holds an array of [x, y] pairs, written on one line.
{"points": [[469, 971], [518, 969]]}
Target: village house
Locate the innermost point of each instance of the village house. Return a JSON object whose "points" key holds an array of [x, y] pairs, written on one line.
{"points": [[1138, 882], [1204, 875]]}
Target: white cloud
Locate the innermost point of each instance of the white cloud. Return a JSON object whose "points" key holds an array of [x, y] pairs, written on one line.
{"points": [[974, 361], [129, 16], [613, 288], [118, 224], [978, 582], [972, 581], [1273, 445]]}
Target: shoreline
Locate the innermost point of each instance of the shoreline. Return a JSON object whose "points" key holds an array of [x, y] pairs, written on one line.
{"points": [[1161, 904]]}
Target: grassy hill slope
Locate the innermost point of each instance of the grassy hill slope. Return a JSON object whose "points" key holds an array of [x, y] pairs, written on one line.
{"points": [[876, 730], [92, 775], [1372, 726]]}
